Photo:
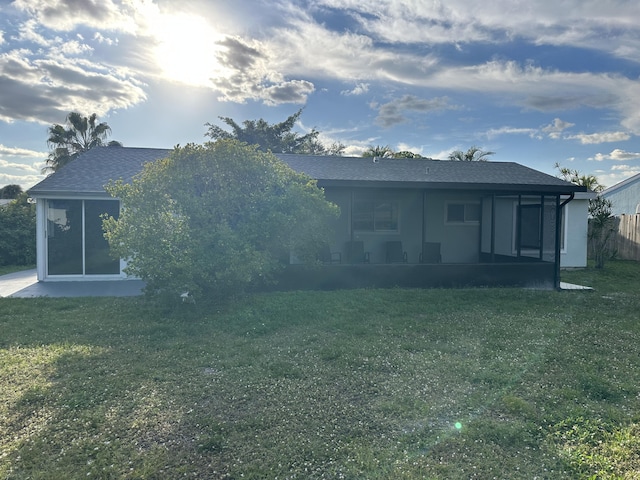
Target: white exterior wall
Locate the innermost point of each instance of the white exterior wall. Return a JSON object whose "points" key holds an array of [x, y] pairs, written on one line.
{"points": [[41, 239], [576, 212]]}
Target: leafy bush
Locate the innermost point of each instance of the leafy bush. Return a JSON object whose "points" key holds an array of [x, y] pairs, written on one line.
{"points": [[214, 219], [18, 227]]}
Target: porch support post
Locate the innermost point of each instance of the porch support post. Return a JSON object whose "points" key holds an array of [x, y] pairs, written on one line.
{"points": [[493, 228], [424, 222], [541, 220], [519, 228], [351, 219], [558, 242], [41, 238]]}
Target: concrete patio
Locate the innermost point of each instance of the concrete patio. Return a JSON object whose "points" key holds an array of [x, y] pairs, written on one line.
{"points": [[25, 285]]}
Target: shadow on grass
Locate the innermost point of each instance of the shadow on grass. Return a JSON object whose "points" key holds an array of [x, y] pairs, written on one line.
{"points": [[360, 384]]}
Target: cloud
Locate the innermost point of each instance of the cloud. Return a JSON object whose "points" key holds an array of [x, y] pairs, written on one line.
{"points": [[17, 166], [45, 90], [25, 181], [393, 113], [359, 89], [617, 155], [556, 128], [28, 33], [239, 55], [294, 91], [604, 137], [248, 75], [20, 152], [75, 47], [68, 14], [625, 168], [595, 25], [100, 38], [494, 132]]}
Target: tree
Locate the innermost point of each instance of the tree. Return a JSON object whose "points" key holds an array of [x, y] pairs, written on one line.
{"points": [[276, 138], [215, 219], [601, 229], [387, 152], [378, 151], [78, 135], [600, 214], [474, 154], [575, 177], [313, 146], [406, 154], [10, 191], [18, 227]]}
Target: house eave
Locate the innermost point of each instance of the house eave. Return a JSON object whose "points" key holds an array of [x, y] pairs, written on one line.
{"points": [[66, 194], [502, 188]]}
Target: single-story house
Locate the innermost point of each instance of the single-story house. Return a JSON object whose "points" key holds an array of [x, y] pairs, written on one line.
{"points": [[404, 222], [624, 196]]}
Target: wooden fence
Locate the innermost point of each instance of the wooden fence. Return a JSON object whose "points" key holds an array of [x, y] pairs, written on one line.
{"points": [[624, 242]]}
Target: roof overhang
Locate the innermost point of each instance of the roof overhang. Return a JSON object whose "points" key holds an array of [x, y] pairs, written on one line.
{"points": [[503, 189], [56, 194]]}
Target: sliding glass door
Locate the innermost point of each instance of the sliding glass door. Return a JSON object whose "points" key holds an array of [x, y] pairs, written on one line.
{"points": [[75, 239]]}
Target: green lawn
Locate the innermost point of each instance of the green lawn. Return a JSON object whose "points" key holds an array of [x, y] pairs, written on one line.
{"points": [[5, 269], [375, 384]]}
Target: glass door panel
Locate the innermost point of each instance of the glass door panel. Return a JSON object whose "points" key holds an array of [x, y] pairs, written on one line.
{"points": [[64, 237], [97, 258]]}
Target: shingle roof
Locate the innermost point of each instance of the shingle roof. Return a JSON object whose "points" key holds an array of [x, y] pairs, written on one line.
{"points": [[88, 174], [92, 170], [426, 173]]}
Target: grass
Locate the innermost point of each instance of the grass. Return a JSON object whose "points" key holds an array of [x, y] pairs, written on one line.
{"points": [[376, 384], [5, 269]]}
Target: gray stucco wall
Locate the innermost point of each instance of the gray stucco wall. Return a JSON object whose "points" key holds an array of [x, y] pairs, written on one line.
{"points": [[459, 242]]}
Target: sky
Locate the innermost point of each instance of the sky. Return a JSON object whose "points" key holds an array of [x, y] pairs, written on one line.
{"points": [[539, 83]]}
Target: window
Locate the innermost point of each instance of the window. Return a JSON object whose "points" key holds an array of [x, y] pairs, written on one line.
{"points": [[375, 216], [537, 224], [463, 213], [75, 239], [530, 226]]}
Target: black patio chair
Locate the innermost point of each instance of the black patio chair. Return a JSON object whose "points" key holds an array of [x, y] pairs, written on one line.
{"points": [[430, 253], [356, 253], [395, 253]]}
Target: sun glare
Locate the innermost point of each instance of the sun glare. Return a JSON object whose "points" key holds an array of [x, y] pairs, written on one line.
{"points": [[186, 49]]}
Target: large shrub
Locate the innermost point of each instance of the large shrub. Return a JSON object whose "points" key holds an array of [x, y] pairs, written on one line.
{"points": [[214, 219], [18, 227]]}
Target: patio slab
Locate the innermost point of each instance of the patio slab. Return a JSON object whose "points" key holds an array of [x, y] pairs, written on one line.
{"points": [[25, 285], [572, 286]]}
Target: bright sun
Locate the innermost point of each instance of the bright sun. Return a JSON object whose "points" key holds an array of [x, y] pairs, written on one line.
{"points": [[186, 49]]}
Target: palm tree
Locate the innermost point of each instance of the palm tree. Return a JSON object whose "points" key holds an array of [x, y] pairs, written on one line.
{"points": [[574, 176], [78, 135], [474, 154], [378, 151]]}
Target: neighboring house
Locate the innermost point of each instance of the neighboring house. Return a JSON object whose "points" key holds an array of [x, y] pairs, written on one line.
{"points": [[405, 222], [624, 196]]}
